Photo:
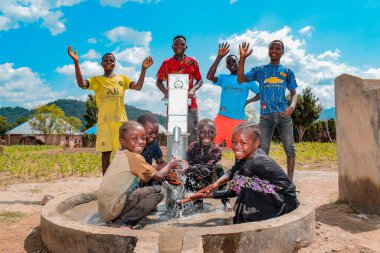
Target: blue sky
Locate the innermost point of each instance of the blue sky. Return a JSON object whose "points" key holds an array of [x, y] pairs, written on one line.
{"points": [[323, 39]]}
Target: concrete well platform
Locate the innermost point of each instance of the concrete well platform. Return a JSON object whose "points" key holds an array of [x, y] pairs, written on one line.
{"points": [[210, 231]]}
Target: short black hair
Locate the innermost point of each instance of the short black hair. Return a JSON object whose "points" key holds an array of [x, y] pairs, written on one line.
{"points": [[232, 55], [147, 117], [179, 37], [108, 54], [126, 126], [279, 42], [249, 126], [204, 122]]}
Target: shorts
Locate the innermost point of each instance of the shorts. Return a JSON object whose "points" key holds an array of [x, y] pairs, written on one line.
{"points": [[108, 137], [224, 128]]}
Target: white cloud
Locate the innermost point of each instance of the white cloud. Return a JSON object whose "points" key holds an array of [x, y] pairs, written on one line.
{"points": [[60, 3], [23, 86], [307, 30], [129, 36], [92, 41], [148, 98], [88, 69], [329, 55], [54, 24], [119, 3], [92, 54], [372, 73], [30, 11], [134, 55], [233, 1], [6, 24]]}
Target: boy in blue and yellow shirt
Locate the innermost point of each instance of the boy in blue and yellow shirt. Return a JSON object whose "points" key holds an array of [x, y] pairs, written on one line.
{"points": [[274, 79]]}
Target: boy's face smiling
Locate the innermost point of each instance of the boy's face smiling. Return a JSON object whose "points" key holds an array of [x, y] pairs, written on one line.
{"points": [[275, 52], [134, 140], [206, 135], [151, 131], [232, 64], [243, 145], [179, 46]]}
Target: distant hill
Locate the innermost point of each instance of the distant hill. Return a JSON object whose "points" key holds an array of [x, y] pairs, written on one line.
{"points": [[71, 107], [14, 113], [327, 114]]}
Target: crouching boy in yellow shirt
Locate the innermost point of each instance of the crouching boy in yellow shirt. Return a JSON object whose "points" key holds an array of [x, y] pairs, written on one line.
{"points": [[119, 198]]}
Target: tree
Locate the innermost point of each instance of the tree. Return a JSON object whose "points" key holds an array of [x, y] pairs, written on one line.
{"points": [[91, 116], [47, 120], [21, 120], [307, 111], [4, 126], [70, 126]]}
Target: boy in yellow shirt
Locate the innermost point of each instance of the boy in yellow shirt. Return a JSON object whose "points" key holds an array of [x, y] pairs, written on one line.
{"points": [[109, 93]]}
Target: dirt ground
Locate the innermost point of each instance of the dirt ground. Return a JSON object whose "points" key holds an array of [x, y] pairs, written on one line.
{"points": [[338, 229]]}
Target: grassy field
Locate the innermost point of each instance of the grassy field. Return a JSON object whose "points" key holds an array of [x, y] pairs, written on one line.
{"points": [[42, 163], [47, 162]]}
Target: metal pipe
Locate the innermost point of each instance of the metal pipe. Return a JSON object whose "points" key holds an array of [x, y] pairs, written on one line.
{"points": [[176, 134]]}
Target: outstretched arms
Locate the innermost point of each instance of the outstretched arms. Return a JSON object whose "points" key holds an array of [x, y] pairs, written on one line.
{"points": [[244, 53], [148, 61], [78, 73], [223, 51], [207, 191]]}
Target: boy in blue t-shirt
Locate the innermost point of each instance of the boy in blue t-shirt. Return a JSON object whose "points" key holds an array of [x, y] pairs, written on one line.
{"points": [[275, 111], [233, 98]]}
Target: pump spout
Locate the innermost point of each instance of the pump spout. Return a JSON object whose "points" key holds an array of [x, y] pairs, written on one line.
{"points": [[176, 134]]}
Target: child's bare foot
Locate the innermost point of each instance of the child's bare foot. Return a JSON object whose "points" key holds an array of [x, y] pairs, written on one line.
{"points": [[227, 207]]}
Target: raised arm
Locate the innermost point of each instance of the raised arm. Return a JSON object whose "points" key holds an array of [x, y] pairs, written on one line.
{"points": [[148, 61], [244, 53], [78, 73], [223, 51]]}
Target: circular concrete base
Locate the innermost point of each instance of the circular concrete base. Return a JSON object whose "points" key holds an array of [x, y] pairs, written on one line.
{"points": [[61, 233]]}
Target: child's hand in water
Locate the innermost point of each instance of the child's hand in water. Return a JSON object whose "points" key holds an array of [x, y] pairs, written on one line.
{"points": [[175, 163], [195, 196], [210, 188], [148, 61]]}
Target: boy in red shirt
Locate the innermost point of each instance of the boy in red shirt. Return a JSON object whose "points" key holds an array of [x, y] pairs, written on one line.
{"points": [[182, 64]]}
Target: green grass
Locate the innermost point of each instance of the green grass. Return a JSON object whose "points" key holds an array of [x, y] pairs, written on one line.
{"points": [[44, 163], [10, 217], [34, 162]]}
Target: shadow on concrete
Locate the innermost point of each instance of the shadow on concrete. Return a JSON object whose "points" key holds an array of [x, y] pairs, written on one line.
{"points": [[33, 243], [342, 215]]}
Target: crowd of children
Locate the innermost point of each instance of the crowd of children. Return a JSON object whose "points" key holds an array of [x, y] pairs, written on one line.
{"points": [[130, 188]]}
